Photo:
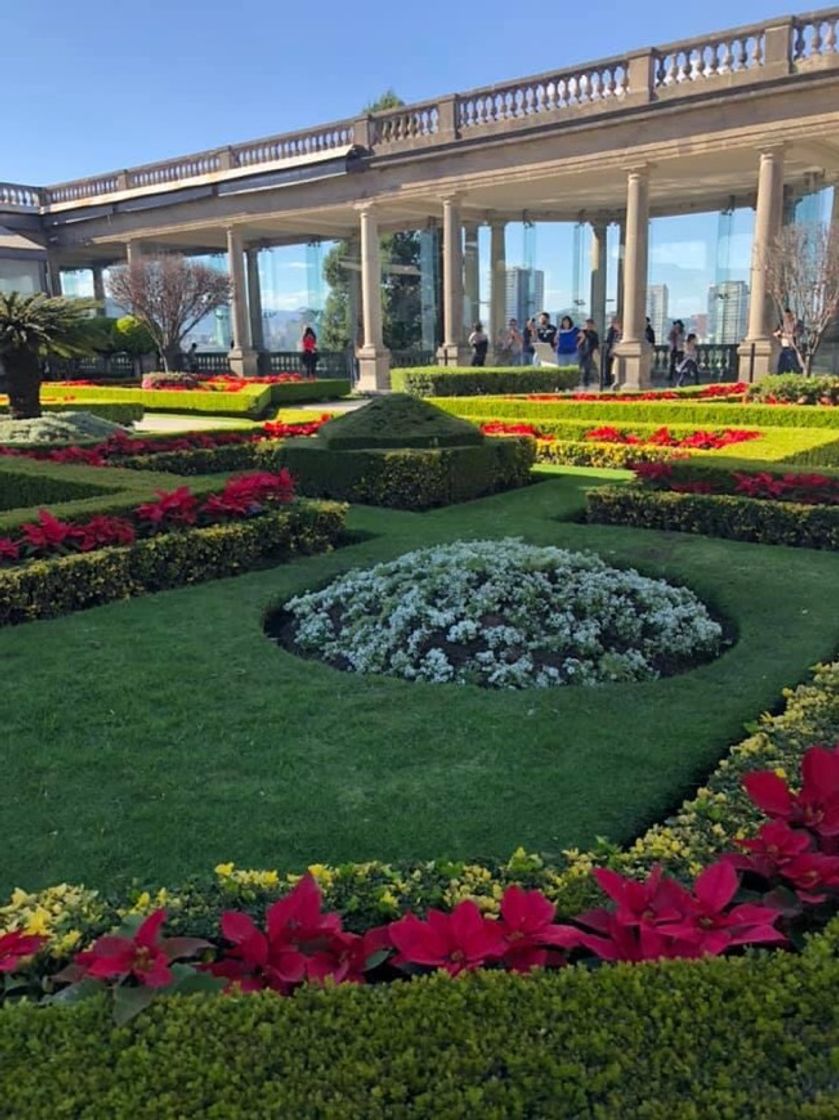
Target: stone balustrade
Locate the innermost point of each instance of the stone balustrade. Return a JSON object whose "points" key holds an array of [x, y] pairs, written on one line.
{"points": [[744, 56]]}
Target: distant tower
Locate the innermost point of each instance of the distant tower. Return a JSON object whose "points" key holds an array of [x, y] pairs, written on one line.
{"points": [[658, 303], [728, 311]]}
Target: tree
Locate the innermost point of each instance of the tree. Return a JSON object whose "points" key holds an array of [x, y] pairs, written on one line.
{"points": [[802, 271], [401, 300], [31, 328], [169, 295]]}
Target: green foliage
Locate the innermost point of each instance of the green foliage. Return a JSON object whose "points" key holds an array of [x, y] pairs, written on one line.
{"points": [[753, 1037], [132, 336], [793, 388], [303, 392], [396, 420], [415, 478], [587, 453], [252, 400], [699, 414], [42, 325], [117, 412], [45, 588], [20, 487], [717, 515], [449, 381]]}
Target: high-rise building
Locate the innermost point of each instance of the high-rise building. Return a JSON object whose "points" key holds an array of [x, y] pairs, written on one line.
{"points": [[525, 289], [728, 311], [658, 300]]}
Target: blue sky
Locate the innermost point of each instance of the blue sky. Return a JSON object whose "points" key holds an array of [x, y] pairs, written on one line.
{"points": [[101, 86]]}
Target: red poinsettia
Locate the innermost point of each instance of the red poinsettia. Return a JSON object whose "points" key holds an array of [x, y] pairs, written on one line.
{"points": [[529, 932], [144, 956], [16, 946], [461, 940], [173, 507], [47, 534], [300, 942], [102, 531], [504, 428], [9, 549], [815, 806]]}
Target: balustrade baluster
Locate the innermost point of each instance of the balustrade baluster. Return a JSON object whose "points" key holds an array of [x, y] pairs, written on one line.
{"points": [[816, 43], [830, 37]]}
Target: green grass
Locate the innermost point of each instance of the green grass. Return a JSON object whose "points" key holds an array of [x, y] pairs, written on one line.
{"points": [[156, 737]]}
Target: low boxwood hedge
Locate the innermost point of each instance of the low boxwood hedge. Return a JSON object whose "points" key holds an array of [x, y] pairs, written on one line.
{"points": [[716, 515], [22, 486], [698, 414], [251, 400], [45, 588], [413, 478], [792, 388], [753, 1037], [118, 412], [303, 392], [451, 381]]}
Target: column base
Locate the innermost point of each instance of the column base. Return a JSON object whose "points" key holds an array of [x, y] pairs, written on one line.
{"points": [[633, 365], [244, 363], [756, 357], [373, 370], [454, 355]]}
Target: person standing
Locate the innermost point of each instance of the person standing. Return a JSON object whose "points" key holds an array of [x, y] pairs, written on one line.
{"points": [[588, 343], [676, 343], [309, 351], [513, 343], [546, 331], [689, 365], [479, 341], [649, 333], [613, 337], [528, 339], [566, 344], [786, 334]]}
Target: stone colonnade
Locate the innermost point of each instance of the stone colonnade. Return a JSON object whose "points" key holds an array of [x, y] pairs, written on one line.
{"points": [[461, 271]]}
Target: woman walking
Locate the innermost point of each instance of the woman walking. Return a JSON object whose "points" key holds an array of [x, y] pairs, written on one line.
{"points": [[479, 341], [566, 339], [676, 342], [309, 351]]}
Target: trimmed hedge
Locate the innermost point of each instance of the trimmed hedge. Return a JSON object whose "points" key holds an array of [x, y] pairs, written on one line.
{"points": [[303, 392], [415, 478], [449, 381], [45, 588], [588, 453], [22, 487], [716, 515], [753, 1037], [793, 388], [118, 412], [252, 400], [698, 414]]}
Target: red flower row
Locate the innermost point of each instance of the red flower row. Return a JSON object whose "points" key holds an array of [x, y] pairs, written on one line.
{"points": [[662, 437], [243, 496], [736, 389], [121, 446], [791, 864], [807, 489]]}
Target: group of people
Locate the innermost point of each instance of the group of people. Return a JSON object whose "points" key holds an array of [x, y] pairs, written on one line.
{"points": [[582, 344]]}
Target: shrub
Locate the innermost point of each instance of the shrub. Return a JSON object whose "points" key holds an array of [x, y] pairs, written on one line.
{"points": [[446, 381], [502, 614], [170, 381], [397, 421], [22, 488], [716, 515], [583, 453], [304, 392], [71, 427], [704, 414], [45, 588], [415, 478], [752, 1037], [252, 401], [793, 388]]}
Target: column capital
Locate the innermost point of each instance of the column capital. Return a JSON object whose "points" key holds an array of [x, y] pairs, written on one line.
{"points": [[773, 151], [638, 170], [366, 206]]}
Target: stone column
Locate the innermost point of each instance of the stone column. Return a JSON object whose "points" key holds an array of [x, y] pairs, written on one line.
{"points": [[634, 353], [53, 277], [133, 252], [621, 259], [255, 302], [759, 349], [99, 285], [242, 356], [598, 276], [498, 285], [373, 358], [471, 275], [453, 352], [355, 326]]}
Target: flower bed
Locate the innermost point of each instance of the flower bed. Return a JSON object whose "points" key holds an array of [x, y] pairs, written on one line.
{"points": [[792, 388], [501, 614], [763, 485], [722, 391], [252, 397], [660, 437]]}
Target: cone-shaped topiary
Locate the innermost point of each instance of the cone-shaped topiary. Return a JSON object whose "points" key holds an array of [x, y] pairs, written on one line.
{"points": [[397, 420]]}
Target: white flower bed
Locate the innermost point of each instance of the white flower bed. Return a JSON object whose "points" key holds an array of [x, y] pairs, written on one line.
{"points": [[57, 427], [503, 614]]}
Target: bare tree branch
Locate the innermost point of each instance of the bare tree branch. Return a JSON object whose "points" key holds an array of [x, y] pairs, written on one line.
{"points": [[170, 295], [802, 272]]}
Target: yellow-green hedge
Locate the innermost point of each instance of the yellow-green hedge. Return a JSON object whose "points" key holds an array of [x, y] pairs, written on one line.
{"points": [[448, 381]]}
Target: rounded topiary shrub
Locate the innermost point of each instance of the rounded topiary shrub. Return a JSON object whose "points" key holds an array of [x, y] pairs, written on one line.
{"points": [[501, 614]]}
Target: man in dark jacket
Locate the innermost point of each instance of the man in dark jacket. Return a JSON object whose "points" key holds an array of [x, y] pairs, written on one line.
{"points": [[588, 343]]}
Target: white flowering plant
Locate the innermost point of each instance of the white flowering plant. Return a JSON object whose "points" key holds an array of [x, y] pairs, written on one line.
{"points": [[502, 614]]}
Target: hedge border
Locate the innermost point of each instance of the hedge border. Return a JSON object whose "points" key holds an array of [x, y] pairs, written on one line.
{"points": [[47, 588], [431, 381], [117, 412]]}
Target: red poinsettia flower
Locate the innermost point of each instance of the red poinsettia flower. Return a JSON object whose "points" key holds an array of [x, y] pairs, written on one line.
{"points": [[9, 549], [775, 845], [651, 901], [527, 925], [653, 472], [615, 940], [178, 507], [461, 940], [15, 946], [145, 956], [816, 805], [710, 927], [102, 531], [47, 534], [812, 876]]}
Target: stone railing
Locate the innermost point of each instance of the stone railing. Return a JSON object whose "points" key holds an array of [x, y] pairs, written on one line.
{"points": [[744, 56], [13, 196]]}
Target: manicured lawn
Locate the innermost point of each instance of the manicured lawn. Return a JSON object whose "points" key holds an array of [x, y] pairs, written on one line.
{"points": [[157, 737]]}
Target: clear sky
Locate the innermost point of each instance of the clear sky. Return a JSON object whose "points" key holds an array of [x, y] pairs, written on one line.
{"points": [[97, 86]]}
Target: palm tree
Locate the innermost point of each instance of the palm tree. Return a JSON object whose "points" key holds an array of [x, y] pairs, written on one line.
{"points": [[31, 327]]}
